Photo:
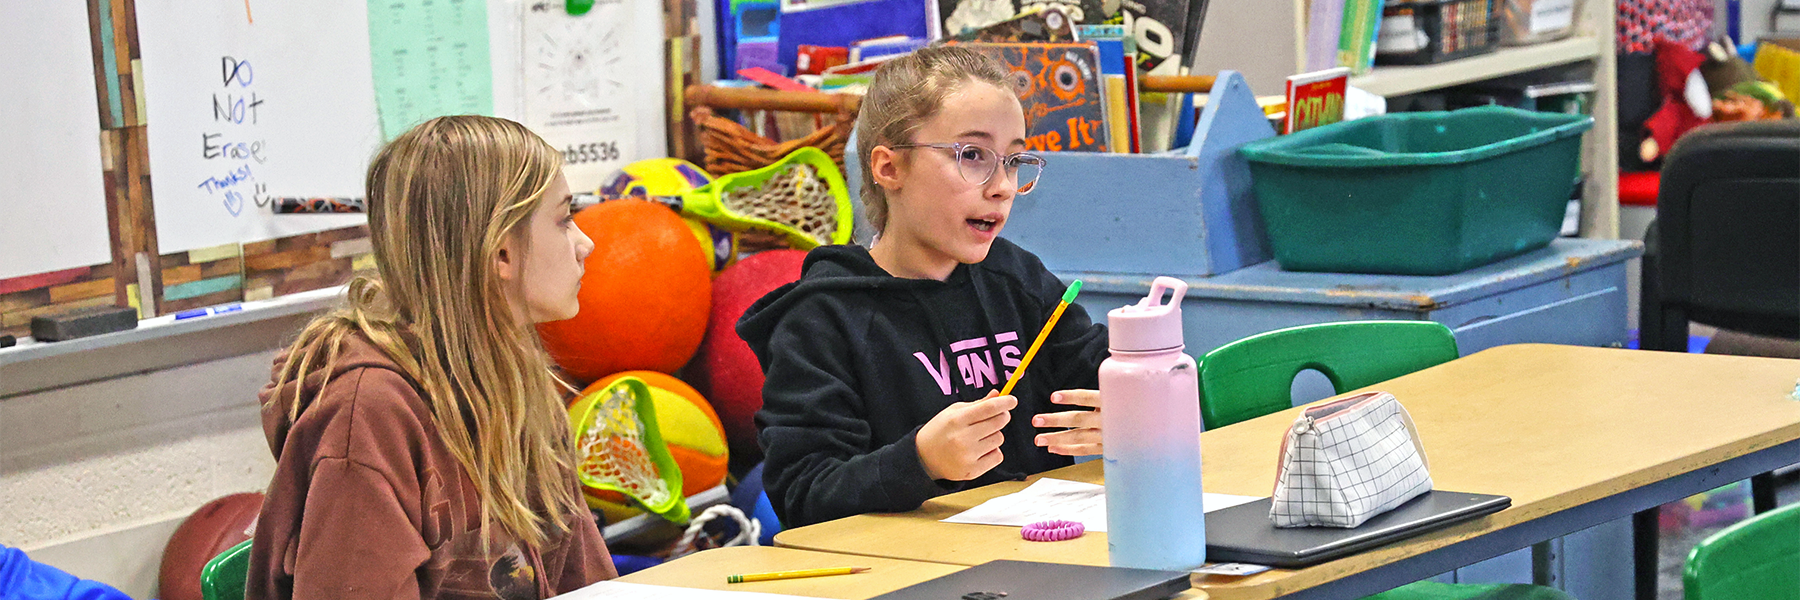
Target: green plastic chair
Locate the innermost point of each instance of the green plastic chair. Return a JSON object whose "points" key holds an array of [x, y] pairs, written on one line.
{"points": [[1254, 376], [1757, 558], [1432, 590], [224, 577]]}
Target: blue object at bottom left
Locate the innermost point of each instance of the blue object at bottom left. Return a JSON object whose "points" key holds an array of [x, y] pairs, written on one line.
{"points": [[24, 579]]}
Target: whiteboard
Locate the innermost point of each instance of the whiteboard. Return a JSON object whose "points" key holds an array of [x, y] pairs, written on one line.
{"points": [[308, 98], [52, 199], [243, 101], [251, 100]]}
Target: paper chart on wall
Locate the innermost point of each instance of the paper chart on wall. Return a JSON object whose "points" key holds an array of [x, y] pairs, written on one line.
{"points": [[430, 58], [576, 92]]}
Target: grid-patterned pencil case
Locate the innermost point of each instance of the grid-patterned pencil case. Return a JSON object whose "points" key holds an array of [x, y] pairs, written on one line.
{"points": [[1348, 460]]}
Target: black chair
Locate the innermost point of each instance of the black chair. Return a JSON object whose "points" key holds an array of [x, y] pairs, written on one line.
{"points": [[1724, 251]]}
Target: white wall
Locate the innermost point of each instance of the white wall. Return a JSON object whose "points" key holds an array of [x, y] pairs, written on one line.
{"points": [[1253, 37], [94, 477], [1755, 14]]}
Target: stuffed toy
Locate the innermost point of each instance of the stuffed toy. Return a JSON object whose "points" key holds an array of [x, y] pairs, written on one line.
{"points": [[1686, 102], [1738, 93], [1713, 85]]}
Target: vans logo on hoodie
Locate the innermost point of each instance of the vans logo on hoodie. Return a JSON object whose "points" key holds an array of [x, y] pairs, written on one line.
{"points": [[979, 363]]}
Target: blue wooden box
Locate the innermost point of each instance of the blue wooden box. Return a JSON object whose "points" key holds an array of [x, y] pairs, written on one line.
{"points": [[1572, 292], [1188, 213]]}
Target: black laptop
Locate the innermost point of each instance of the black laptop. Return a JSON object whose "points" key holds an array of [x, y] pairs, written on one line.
{"points": [[1244, 533], [1019, 580]]}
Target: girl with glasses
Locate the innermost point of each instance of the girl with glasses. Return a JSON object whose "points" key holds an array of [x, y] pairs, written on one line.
{"points": [[884, 364]]}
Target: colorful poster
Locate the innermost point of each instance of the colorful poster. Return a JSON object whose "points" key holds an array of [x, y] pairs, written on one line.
{"points": [[429, 58]]}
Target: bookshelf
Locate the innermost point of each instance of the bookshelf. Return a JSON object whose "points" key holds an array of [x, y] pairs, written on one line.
{"points": [[1593, 41], [1398, 80]]}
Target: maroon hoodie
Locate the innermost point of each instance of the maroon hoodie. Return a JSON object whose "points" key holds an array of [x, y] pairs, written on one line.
{"points": [[368, 502]]}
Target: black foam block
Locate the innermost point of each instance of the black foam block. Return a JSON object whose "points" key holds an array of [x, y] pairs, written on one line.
{"points": [[83, 323]]}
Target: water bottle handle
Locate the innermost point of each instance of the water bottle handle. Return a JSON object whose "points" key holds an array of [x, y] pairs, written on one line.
{"points": [[1163, 284]]}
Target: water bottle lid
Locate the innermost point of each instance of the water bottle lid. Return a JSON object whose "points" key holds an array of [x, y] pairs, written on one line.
{"points": [[1151, 324]]}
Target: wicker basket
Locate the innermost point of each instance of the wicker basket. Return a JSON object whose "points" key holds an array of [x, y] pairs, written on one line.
{"points": [[732, 148]]}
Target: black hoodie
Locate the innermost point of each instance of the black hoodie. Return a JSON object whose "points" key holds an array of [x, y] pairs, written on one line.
{"points": [[857, 360]]}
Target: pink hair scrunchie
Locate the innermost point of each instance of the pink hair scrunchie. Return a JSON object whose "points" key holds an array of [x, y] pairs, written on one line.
{"points": [[1052, 531]]}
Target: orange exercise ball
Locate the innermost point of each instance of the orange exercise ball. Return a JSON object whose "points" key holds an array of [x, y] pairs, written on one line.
{"points": [[644, 299]]}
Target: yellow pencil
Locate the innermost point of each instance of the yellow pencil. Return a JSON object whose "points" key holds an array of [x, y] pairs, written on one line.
{"points": [[794, 574], [1068, 296]]}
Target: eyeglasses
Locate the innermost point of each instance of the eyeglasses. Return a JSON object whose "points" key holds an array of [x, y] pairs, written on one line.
{"points": [[977, 164]]}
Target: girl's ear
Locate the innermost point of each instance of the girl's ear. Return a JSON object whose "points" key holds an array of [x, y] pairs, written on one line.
{"points": [[884, 165], [507, 263]]}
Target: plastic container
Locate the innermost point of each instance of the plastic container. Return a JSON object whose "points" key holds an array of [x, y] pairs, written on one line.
{"points": [[1528, 22], [1429, 193], [1151, 428], [1434, 31]]}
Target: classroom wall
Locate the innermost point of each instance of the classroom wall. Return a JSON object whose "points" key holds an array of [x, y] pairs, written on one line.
{"points": [[1755, 14], [95, 477], [1253, 37]]}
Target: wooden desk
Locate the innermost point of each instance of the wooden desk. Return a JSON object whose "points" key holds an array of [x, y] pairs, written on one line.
{"points": [[1576, 436], [707, 570]]}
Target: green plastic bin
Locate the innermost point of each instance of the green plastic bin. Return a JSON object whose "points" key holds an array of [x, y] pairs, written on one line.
{"points": [[1429, 193]]}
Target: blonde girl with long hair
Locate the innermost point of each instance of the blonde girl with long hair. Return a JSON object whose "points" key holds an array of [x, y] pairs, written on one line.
{"points": [[421, 445]]}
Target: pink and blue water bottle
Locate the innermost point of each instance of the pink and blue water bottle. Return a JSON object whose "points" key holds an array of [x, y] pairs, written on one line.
{"points": [[1150, 394]]}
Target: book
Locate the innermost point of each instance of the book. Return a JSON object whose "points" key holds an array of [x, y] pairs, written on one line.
{"points": [[1119, 71], [1088, 31], [892, 45], [1161, 28], [1059, 85], [1315, 99], [1356, 42], [1046, 25], [1323, 24]]}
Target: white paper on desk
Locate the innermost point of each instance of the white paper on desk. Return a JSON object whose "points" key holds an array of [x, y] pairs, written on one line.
{"points": [[619, 590], [1048, 499]]}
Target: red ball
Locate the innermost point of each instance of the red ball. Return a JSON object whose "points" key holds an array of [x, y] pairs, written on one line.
{"points": [[644, 298], [729, 374], [212, 529]]}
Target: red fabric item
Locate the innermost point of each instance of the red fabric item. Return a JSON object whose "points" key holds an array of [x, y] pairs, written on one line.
{"points": [[1643, 23], [1639, 188], [1673, 64]]}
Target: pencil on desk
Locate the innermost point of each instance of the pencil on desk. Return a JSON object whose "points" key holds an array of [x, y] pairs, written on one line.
{"points": [[1068, 296], [794, 574]]}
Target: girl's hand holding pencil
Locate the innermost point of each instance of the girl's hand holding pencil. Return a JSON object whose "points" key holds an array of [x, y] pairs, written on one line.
{"points": [[963, 441], [1082, 435]]}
